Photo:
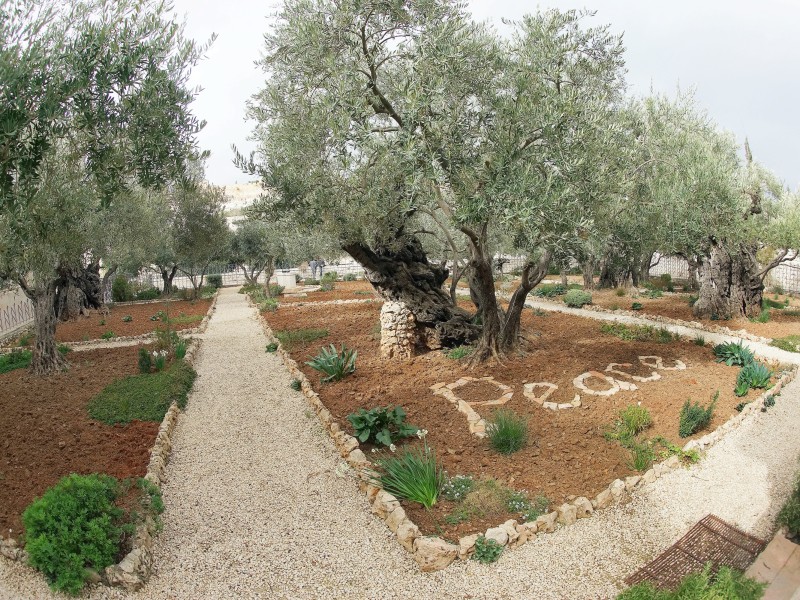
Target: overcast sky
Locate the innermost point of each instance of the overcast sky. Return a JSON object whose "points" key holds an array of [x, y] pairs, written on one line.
{"points": [[742, 57]]}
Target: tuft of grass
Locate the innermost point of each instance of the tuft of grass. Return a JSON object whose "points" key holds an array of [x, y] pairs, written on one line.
{"points": [[334, 364], [507, 432], [411, 474], [699, 341], [296, 385], [145, 397], [637, 306], [642, 455], [790, 343], [694, 417], [763, 316], [767, 303], [727, 583], [620, 292], [17, 359], [640, 333], [108, 335], [789, 516], [291, 339], [459, 352]]}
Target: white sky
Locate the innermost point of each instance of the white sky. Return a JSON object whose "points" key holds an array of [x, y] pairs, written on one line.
{"points": [[741, 56]]}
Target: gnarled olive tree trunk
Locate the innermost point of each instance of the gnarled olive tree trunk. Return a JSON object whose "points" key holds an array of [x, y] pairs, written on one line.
{"points": [[167, 275], [731, 283], [405, 276], [46, 357]]}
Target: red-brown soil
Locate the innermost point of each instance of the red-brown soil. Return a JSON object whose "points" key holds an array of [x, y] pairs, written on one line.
{"points": [[90, 328], [676, 306], [567, 453], [343, 290], [46, 432]]}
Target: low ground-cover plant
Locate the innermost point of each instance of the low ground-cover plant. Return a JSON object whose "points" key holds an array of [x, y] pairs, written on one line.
{"points": [[148, 294], [763, 316], [550, 290], [694, 417], [577, 298], [296, 385], [699, 340], [108, 335], [790, 343], [275, 289], [789, 516], [127, 319], [654, 293], [733, 353], [637, 306], [76, 525], [456, 488], [507, 431], [411, 474], [145, 397], [489, 497], [727, 584], [297, 337], [16, 359], [631, 421], [486, 550], [272, 347], [640, 333], [349, 277], [335, 364], [754, 375], [381, 425]]}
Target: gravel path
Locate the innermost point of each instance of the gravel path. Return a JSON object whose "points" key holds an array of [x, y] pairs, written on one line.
{"points": [[256, 509]]}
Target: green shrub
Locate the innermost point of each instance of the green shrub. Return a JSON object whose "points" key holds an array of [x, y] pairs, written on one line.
{"points": [[507, 431], [754, 375], [148, 294], [335, 364], [329, 277], [694, 417], [642, 455], [550, 290], [145, 397], [268, 305], [733, 353], [327, 286], [767, 303], [631, 421], [24, 340], [637, 306], [620, 292], [349, 277], [518, 502], [412, 474], [127, 319], [121, 290], [486, 550], [381, 425], [699, 340], [692, 299], [456, 488], [790, 343], [310, 281], [763, 316], [275, 289], [577, 298], [297, 337], [789, 516], [16, 359], [296, 385], [145, 360], [214, 281], [727, 584], [272, 347], [108, 335], [459, 352], [72, 527], [655, 293]]}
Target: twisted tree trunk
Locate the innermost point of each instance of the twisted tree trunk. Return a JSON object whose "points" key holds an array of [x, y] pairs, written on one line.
{"points": [[731, 283]]}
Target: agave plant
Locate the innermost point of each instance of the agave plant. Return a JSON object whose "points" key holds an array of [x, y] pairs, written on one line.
{"points": [[336, 364], [733, 353], [755, 375]]}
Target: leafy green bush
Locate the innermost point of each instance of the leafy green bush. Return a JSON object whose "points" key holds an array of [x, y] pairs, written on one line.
{"points": [[654, 293], [327, 286], [486, 550], [459, 352], [640, 333], [412, 474], [789, 516], [16, 359], [763, 316], [733, 353], [310, 281], [145, 360], [631, 422], [456, 488], [790, 343], [297, 337], [121, 290], [275, 289], [329, 277], [767, 303], [381, 425], [335, 364], [271, 347], [642, 455], [72, 527], [577, 298], [268, 305], [694, 417], [349, 277], [754, 375], [637, 306], [727, 584], [127, 319], [145, 397], [507, 431], [148, 294], [529, 510], [550, 290], [214, 281], [108, 335]]}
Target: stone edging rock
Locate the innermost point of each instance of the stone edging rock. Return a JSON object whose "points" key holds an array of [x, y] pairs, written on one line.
{"points": [[433, 553], [133, 571]]}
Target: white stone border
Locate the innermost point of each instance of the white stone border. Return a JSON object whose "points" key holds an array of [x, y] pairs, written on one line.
{"points": [[133, 571], [433, 553]]}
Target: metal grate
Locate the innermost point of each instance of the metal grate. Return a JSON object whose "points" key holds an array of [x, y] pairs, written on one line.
{"points": [[713, 541]]}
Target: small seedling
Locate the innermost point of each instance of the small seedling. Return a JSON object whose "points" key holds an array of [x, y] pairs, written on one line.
{"points": [[486, 550], [296, 385], [272, 347]]}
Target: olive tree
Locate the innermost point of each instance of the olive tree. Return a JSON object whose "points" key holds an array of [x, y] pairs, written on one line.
{"points": [[377, 114], [92, 96]]}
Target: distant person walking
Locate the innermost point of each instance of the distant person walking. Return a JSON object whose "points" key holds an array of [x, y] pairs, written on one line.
{"points": [[313, 264], [320, 265]]}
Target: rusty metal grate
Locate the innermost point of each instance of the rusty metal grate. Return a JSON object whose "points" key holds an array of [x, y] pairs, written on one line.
{"points": [[711, 540]]}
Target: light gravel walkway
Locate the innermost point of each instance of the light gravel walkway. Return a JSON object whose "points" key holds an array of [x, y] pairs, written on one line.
{"points": [[255, 508]]}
